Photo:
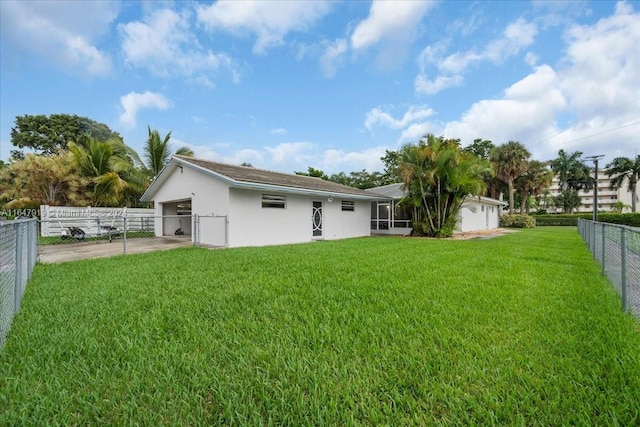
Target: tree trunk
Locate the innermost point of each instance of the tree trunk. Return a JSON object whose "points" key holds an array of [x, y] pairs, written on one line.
{"points": [[510, 183]]}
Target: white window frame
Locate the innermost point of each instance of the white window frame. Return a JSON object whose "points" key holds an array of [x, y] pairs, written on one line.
{"points": [[274, 201]]}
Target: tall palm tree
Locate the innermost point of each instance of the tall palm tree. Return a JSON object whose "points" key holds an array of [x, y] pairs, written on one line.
{"points": [[509, 162], [437, 177], [157, 152], [622, 168], [532, 182], [571, 171], [110, 169]]}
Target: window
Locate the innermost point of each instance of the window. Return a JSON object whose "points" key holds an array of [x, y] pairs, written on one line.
{"points": [[348, 206], [273, 201], [482, 208]]}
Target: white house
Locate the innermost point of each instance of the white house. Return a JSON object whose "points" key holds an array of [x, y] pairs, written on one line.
{"points": [[233, 206], [476, 213]]}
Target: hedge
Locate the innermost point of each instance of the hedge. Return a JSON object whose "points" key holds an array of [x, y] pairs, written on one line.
{"points": [[630, 219], [517, 221]]}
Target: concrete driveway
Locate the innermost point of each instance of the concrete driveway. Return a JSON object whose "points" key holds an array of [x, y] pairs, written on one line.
{"points": [[102, 249]]}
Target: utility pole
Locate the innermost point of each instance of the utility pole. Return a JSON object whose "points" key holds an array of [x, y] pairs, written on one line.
{"points": [[595, 159]]}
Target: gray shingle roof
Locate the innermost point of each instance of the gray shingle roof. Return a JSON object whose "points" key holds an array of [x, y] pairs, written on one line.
{"points": [[245, 174]]}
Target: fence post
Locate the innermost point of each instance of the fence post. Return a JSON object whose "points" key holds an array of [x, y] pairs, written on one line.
{"points": [[196, 226], [17, 287], [124, 236], [604, 247], [623, 248]]}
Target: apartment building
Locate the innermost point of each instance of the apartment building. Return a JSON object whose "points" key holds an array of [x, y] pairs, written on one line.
{"points": [[607, 197]]}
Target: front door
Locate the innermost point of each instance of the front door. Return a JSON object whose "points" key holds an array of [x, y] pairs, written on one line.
{"points": [[316, 219]]}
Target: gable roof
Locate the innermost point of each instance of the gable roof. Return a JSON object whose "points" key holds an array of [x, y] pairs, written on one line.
{"points": [[395, 191], [260, 179]]}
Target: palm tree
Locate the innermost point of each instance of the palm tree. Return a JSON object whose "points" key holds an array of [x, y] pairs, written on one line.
{"points": [[110, 167], [622, 168], [532, 182], [437, 177], [573, 175], [157, 152], [509, 161]]}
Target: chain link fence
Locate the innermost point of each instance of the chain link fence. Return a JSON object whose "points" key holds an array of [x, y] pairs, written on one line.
{"points": [[617, 249], [18, 255]]}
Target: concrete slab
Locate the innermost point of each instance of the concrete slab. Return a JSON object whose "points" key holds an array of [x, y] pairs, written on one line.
{"points": [[101, 249]]}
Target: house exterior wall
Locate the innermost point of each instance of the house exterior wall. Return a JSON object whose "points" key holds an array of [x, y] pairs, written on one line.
{"points": [[208, 196], [252, 225], [477, 215]]}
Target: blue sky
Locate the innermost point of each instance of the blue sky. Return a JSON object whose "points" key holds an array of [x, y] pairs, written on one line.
{"points": [[290, 84]]}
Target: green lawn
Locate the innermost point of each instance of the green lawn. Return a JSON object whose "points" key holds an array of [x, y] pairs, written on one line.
{"points": [[520, 329]]}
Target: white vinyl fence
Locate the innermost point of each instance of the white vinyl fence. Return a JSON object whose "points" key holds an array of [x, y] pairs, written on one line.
{"points": [[617, 249], [18, 255], [95, 222]]}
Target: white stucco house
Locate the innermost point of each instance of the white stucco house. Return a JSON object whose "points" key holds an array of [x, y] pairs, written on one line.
{"points": [[477, 213], [234, 206]]}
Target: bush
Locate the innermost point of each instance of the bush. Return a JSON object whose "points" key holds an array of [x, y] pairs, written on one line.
{"points": [[517, 221], [629, 219]]}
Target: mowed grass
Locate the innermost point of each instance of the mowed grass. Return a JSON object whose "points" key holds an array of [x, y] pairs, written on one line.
{"points": [[520, 330]]}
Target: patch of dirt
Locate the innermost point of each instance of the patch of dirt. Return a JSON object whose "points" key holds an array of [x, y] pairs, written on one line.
{"points": [[482, 234]]}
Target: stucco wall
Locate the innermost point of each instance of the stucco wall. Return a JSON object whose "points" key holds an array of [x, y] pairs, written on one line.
{"points": [[478, 215], [252, 225], [209, 196]]}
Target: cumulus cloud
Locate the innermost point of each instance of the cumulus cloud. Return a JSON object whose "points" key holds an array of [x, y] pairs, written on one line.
{"points": [[449, 70], [378, 117], [298, 152], [51, 32], [133, 102], [334, 161], [389, 20], [164, 44], [267, 23]]}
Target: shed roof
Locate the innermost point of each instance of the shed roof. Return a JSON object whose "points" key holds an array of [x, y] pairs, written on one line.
{"points": [[250, 177]]}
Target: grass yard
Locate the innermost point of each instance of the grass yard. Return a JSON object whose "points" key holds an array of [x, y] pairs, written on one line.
{"points": [[520, 330]]}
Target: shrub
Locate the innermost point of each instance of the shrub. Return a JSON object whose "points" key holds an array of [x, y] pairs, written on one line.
{"points": [[517, 221]]}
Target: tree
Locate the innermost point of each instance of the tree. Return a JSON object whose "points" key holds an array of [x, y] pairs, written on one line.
{"points": [[535, 179], [509, 162], [42, 180], [158, 152], [573, 176], [622, 168], [480, 147], [437, 176], [110, 169], [568, 200], [49, 135], [620, 206], [316, 173]]}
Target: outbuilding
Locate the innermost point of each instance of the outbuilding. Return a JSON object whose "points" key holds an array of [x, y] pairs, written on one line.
{"points": [[226, 205]]}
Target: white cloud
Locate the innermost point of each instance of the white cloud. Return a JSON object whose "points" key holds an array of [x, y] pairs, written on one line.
{"points": [[334, 161], [133, 102], [389, 20], [424, 85], [413, 133], [270, 24], [164, 44], [381, 118], [450, 69], [332, 56], [279, 131], [298, 152], [51, 32]]}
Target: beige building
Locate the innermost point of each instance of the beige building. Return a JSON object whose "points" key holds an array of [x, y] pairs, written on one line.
{"points": [[607, 197]]}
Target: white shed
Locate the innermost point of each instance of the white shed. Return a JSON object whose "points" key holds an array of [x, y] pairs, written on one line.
{"points": [[235, 206]]}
